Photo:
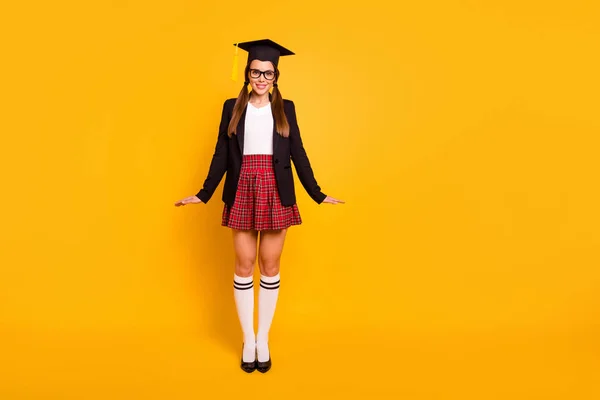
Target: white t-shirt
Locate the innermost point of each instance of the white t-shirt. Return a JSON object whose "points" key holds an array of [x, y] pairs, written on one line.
{"points": [[258, 130]]}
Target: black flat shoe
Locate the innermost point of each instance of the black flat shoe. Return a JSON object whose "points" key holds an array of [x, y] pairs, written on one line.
{"points": [[247, 366], [263, 366]]}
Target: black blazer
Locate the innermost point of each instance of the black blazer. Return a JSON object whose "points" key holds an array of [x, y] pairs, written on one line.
{"points": [[228, 152]]}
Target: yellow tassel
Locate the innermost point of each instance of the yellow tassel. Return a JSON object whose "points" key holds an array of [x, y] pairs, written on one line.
{"points": [[234, 70]]}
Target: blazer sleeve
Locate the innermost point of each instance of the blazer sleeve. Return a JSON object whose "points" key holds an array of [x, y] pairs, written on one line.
{"points": [[218, 165], [300, 159]]}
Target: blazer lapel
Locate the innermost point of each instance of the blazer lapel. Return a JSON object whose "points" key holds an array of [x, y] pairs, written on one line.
{"points": [[240, 131], [275, 135]]}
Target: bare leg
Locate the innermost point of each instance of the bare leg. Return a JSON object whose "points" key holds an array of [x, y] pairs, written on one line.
{"points": [[244, 244], [270, 250]]}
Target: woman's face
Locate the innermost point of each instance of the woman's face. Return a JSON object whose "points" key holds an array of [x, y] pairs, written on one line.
{"points": [[261, 84]]}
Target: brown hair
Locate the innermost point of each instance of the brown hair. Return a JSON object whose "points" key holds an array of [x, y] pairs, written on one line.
{"points": [[281, 122]]}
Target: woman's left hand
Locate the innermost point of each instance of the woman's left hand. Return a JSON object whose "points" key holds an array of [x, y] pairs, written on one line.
{"points": [[331, 200]]}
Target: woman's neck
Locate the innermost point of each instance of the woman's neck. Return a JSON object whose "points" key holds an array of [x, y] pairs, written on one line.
{"points": [[262, 99]]}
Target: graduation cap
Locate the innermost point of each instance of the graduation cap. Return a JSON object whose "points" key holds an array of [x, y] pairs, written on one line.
{"points": [[263, 50]]}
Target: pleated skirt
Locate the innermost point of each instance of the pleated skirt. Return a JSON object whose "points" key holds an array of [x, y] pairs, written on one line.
{"points": [[257, 205]]}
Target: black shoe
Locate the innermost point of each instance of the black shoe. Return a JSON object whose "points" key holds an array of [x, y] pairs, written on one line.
{"points": [[263, 366], [247, 366]]}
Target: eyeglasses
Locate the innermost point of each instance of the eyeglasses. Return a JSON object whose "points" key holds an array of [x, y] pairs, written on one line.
{"points": [[256, 73]]}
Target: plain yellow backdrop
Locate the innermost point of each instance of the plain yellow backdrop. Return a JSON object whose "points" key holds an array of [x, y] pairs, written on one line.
{"points": [[462, 135]]}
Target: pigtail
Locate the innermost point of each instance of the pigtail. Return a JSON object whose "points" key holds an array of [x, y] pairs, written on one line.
{"points": [[240, 105], [282, 125]]}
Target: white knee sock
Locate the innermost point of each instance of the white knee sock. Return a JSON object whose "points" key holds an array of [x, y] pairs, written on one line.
{"points": [[267, 300], [243, 292]]}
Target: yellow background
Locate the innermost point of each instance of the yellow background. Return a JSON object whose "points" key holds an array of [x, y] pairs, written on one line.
{"points": [[463, 136]]}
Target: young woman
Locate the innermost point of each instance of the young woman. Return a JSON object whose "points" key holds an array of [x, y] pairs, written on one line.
{"points": [[258, 137]]}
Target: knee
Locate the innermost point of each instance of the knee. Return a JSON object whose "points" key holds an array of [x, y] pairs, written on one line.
{"points": [[244, 267], [269, 267]]}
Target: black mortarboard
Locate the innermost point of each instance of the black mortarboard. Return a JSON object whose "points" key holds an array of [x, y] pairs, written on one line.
{"points": [[264, 50]]}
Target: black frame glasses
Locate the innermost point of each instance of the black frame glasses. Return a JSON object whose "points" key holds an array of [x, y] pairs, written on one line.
{"points": [[256, 73]]}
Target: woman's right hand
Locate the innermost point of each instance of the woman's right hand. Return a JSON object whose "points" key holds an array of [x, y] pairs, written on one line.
{"points": [[188, 200]]}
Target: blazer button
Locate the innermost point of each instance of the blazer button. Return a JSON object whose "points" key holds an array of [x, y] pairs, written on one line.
{"points": [[276, 160]]}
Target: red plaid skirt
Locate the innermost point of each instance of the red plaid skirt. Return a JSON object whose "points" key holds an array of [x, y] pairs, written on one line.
{"points": [[257, 205]]}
